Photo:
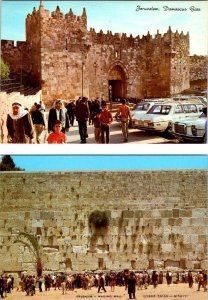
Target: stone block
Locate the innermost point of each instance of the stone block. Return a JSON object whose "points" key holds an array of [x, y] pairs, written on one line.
{"points": [[128, 214], [185, 213]]}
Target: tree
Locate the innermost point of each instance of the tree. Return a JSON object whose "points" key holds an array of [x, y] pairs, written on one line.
{"points": [[7, 164], [31, 241], [4, 69]]}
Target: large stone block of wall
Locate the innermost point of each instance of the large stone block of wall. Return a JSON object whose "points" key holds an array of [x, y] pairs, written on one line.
{"points": [[156, 218]]}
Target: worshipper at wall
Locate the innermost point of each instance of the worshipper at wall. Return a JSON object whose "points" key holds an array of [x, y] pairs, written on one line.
{"points": [[190, 279], [39, 123], [168, 277], [19, 125], [154, 278], [131, 285], [58, 112], [101, 283], [106, 119], [125, 116], [57, 136]]}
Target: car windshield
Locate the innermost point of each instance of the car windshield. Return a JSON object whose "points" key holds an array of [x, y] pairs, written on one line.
{"points": [[160, 109], [142, 106]]}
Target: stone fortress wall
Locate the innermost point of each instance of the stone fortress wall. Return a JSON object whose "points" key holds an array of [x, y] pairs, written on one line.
{"points": [[63, 57], [157, 219]]}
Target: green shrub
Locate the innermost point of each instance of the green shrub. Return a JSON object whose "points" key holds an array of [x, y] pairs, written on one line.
{"points": [[4, 69]]}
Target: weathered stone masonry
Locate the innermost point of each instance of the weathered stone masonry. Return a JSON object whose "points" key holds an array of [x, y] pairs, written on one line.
{"points": [[157, 219], [59, 49]]}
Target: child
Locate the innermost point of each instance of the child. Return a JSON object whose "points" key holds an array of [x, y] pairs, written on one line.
{"points": [[96, 122], [57, 137]]}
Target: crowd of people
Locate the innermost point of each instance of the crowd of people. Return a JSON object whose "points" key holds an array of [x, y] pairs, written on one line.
{"points": [[28, 125], [130, 280]]}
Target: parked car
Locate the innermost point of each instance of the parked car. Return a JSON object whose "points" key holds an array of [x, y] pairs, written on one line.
{"points": [[142, 108], [190, 129], [160, 115]]}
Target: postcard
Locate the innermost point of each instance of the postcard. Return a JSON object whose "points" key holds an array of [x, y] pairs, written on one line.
{"points": [[138, 66]]}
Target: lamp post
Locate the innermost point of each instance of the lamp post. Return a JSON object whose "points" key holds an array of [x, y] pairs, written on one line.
{"points": [[82, 77], [110, 96]]}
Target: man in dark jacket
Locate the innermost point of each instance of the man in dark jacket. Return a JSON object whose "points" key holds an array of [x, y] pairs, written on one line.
{"points": [[38, 121], [58, 112], [82, 115]]}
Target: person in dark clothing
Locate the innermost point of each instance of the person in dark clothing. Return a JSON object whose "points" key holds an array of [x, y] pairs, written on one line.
{"points": [[154, 278], [38, 122], [58, 112], [190, 279], [82, 115], [101, 283], [71, 112], [131, 285]]}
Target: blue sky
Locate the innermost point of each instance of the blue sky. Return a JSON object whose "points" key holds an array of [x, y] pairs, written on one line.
{"points": [[109, 162], [119, 16]]}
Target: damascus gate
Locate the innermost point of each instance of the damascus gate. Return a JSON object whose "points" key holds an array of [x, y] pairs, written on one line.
{"points": [[66, 59], [150, 219]]}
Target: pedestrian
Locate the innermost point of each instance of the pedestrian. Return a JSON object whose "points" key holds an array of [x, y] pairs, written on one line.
{"points": [[57, 136], [154, 278], [200, 280], [58, 112], [131, 285], [40, 283], [101, 283], [125, 116], [82, 115], [160, 278], [190, 279], [168, 277], [71, 111], [19, 125], [97, 127], [63, 283], [38, 122], [112, 282], [105, 119]]}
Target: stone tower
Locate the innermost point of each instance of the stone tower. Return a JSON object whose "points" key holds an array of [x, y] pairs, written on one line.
{"points": [[67, 60]]}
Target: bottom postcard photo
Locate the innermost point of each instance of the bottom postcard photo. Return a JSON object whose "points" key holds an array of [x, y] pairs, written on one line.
{"points": [[124, 227]]}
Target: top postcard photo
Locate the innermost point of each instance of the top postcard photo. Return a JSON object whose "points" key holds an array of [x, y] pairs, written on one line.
{"points": [[103, 72]]}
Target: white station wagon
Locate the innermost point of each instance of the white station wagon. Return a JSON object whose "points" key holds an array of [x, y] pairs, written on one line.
{"points": [[159, 115], [142, 108]]}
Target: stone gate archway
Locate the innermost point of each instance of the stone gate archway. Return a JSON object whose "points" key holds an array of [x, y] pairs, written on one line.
{"points": [[117, 82]]}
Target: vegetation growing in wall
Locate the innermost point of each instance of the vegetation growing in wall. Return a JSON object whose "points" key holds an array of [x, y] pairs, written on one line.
{"points": [[99, 219], [4, 69], [31, 241]]}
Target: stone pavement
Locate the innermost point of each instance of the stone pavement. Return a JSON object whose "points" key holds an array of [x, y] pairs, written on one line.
{"points": [[116, 137], [162, 292]]}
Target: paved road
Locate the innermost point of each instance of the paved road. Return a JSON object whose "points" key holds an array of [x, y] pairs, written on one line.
{"points": [[173, 292], [135, 136]]}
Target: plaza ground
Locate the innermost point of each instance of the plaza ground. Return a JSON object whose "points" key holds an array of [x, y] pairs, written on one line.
{"points": [[116, 137], [172, 292]]}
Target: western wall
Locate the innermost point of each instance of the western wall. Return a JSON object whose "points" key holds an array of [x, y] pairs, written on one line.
{"points": [[157, 219]]}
